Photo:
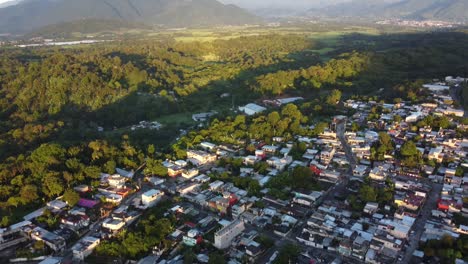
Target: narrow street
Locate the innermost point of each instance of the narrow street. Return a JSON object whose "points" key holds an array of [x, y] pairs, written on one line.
{"points": [[418, 227]]}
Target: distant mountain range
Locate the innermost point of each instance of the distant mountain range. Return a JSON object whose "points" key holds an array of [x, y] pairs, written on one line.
{"points": [[30, 15], [447, 10]]}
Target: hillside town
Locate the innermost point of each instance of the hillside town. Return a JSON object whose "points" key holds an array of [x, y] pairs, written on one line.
{"points": [[376, 185]]}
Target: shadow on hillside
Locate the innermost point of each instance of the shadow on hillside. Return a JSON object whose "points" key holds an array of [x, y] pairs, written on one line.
{"points": [[396, 58]]}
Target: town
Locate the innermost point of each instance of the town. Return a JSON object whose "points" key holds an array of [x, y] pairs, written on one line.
{"points": [[380, 182]]}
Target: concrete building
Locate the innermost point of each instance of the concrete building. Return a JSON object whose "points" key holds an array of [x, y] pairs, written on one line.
{"points": [[85, 247], [200, 157], [252, 109], [223, 238], [54, 241], [150, 197]]}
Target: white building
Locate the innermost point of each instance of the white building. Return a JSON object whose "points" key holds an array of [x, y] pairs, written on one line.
{"points": [[85, 247], [116, 181], [188, 174], [436, 154], [454, 112], [150, 197], [200, 157], [113, 224], [436, 87], [252, 109], [414, 117], [224, 237]]}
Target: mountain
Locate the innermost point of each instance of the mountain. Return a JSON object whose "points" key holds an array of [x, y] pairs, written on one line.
{"points": [[448, 10], [453, 10], [33, 14], [67, 30]]}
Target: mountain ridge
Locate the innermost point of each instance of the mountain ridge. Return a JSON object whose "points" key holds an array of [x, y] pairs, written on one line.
{"points": [[29, 15], [447, 10]]}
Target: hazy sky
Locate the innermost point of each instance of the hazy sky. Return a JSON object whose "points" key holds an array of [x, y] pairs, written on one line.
{"points": [[266, 3]]}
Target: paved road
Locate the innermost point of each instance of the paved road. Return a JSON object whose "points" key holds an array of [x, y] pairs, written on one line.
{"points": [[296, 231], [341, 185], [418, 227]]}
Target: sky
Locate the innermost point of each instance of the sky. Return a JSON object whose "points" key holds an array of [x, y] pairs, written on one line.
{"points": [[269, 3]]}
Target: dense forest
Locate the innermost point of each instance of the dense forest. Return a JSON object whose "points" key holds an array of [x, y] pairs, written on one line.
{"points": [[52, 100]]}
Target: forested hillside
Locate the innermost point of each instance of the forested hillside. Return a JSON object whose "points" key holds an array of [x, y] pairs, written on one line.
{"points": [[52, 100]]}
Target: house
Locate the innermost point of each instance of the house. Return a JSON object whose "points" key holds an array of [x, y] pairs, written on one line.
{"points": [[371, 208], [360, 171], [224, 237], [207, 145], [116, 181], [345, 248], [75, 222], [250, 160], [413, 117], [85, 247], [216, 185], [192, 238], [202, 117], [174, 170], [53, 241], [252, 109], [453, 112], [56, 205], [270, 149], [436, 87], [436, 154], [329, 176], [279, 163], [149, 198], [200, 157], [379, 173], [113, 225], [187, 187], [188, 174]]}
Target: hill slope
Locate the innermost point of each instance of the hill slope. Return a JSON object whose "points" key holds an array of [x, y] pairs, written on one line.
{"points": [[448, 10], [32, 14]]}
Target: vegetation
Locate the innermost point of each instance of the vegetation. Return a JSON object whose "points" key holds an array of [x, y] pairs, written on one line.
{"points": [[447, 249], [287, 254], [53, 100]]}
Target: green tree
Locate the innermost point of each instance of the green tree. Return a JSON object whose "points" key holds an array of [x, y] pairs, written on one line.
{"points": [[71, 197], [216, 258], [368, 194], [333, 97], [287, 254]]}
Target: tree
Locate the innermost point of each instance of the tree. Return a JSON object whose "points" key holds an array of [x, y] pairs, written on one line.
{"points": [[368, 194], [411, 154], [273, 118], [155, 167], [5, 221], [189, 257], [71, 197], [288, 254], [29, 193], [334, 97], [216, 258], [52, 185]]}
